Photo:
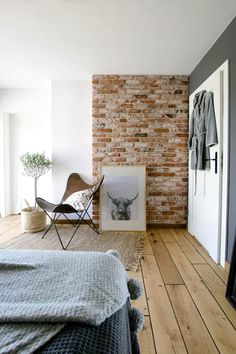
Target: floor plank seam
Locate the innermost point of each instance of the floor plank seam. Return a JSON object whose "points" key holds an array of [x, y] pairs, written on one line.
{"points": [[217, 301], [177, 318], [160, 268], [196, 250], [199, 312], [205, 255], [145, 292], [197, 306], [167, 294]]}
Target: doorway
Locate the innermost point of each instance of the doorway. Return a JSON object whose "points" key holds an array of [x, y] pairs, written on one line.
{"points": [[21, 132]]}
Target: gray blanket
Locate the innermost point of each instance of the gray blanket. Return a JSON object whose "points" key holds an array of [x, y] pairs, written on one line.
{"points": [[41, 287]]}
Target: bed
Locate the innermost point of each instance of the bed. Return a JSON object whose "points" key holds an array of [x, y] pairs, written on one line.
{"points": [[65, 302]]}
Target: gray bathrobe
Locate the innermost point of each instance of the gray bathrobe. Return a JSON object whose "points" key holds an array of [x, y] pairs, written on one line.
{"points": [[202, 130]]}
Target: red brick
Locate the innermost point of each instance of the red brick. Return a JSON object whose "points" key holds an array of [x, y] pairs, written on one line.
{"points": [[145, 120]]}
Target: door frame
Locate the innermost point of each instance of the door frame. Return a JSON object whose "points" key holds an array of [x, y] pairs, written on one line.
{"points": [[224, 77], [5, 185], [223, 71]]}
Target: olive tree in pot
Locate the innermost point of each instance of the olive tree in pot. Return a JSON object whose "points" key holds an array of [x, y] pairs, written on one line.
{"points": [[34, 165]]}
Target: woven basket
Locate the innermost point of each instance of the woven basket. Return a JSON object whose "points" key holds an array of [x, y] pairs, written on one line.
{"points": [[32, 220]]}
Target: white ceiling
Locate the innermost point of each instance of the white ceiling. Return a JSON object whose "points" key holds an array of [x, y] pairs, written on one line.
{"points": [[43, 40]]}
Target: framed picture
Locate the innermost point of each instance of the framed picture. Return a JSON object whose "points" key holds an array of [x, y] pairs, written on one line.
{"points": [[123, 198], [231, 284]]}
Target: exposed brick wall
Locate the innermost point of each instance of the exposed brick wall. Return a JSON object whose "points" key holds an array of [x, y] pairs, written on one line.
{"points": [[144, 120]]}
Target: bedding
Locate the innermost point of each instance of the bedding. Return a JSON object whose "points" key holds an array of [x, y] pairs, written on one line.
{"points": [[113, 336], [42, 290]]}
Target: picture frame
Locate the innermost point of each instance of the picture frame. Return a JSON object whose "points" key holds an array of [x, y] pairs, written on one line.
{"points": [[231, 284], [123, 198]]}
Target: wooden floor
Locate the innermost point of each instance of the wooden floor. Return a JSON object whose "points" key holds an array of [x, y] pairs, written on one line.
{"points": [[184, 301]]}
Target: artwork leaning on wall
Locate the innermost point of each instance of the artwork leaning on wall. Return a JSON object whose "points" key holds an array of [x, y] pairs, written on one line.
{"points": [[123, 198]]}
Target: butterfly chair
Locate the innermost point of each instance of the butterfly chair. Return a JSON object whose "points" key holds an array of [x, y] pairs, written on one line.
{"points": [[77, 199]]}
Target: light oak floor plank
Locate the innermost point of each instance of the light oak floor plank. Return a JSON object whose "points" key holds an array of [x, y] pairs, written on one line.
{"points": [[186, 246], [217, 288], [217, 323], [7, 225], [10, 227], [195, 333], [166, 235], [140, 303], [10, 234], [223, 274], [147, 247], [8, 219], [167, 267], [190, 321], [166, 332], [145, 338]]}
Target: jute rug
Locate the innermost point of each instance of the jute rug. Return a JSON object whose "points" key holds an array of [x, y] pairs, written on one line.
{"points": [[128, 244]]}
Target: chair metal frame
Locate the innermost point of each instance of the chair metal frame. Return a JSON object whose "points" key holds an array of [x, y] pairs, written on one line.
{"points": [[63, 209]]}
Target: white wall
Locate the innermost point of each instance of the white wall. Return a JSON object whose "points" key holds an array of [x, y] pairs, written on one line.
{"points": [[71, 132], [28, 114], [25, 100]]}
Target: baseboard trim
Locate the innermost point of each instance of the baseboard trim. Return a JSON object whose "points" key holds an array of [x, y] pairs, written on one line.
{"points": [[72, 221], [166, 226], [149, 226]]}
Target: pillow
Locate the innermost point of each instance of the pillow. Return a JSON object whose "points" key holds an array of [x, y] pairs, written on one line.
{"points": [[79, 200]]}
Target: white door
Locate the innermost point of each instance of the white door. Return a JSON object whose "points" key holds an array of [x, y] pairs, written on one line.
{"points": [[205, 207]]}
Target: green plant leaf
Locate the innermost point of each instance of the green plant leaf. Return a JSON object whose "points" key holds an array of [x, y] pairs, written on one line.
{"points": [[35, 165]]}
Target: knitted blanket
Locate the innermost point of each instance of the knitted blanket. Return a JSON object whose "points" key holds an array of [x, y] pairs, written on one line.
{"points": [[41, 287]]}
